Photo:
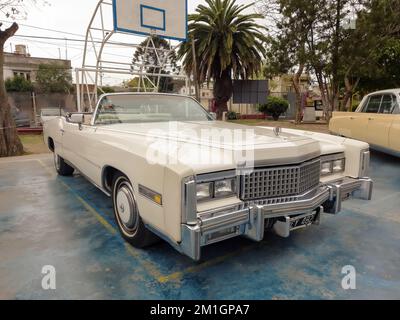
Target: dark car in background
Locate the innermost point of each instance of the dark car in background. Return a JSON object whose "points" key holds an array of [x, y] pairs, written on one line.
{"points": [[21, 119]]}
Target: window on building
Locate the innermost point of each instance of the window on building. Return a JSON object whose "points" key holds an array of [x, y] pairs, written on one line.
{"points": [[24, 74]]}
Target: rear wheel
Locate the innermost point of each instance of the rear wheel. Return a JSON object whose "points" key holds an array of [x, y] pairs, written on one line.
{"points": [[126, 214], [61, 166]]}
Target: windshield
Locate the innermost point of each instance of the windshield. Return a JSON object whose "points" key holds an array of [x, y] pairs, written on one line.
{"points": [[148, 108]]}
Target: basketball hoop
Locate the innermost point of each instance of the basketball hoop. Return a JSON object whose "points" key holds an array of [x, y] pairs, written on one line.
{"points": [[113, 20]]}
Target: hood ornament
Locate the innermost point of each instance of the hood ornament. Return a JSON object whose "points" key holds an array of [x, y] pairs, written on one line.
{"points": [[277, 131]]}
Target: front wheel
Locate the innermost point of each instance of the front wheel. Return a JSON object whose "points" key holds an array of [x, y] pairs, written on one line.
{"points": [[126, 214], [62, 168]]}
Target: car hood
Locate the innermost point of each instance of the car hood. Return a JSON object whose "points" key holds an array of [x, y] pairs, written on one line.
{"points": [[245, 145]]}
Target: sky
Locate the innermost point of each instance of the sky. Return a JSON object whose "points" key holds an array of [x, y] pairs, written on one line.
{"points": [[71, 18]]}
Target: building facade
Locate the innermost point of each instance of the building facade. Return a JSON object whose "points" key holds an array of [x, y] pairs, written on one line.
{"points": [[20, 63]]}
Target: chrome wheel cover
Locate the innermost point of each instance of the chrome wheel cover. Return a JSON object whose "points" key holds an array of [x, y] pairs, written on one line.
{"points": [[125, 207]]}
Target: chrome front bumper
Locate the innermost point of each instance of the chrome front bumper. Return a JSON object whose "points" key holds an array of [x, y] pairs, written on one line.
{"points": [[250, 219]]}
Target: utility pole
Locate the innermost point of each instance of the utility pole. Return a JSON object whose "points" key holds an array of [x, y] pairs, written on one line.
{"points": [[66, 49], [34, 108], [195, 74]]}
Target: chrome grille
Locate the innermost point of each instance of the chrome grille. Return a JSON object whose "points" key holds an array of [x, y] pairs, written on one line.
{"points": [[280, 182]]}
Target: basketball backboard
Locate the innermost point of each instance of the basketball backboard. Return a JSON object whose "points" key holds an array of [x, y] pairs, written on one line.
{"points": [[165, 18]]}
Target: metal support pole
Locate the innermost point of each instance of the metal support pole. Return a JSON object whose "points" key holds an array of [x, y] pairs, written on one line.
{"points": [[78, 91]]}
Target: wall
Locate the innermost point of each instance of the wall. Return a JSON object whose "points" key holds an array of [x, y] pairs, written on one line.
{"points": [[23, 101]]}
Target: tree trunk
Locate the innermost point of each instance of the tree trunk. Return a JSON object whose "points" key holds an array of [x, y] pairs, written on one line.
{"points": [[10, 145], [222, 90], [349, 92], [297, 89], [323, 88], [334, 102]]}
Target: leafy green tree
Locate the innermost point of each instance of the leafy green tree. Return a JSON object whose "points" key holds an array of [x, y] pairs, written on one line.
{"points": [[372, 50], [313, 36], [10, 144], [18, 84], [309, 35], [228, 45], [275, 106], [290, 24], [52, 78], [163, 60]]}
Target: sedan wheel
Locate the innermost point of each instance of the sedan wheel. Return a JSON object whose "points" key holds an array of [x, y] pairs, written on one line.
{"points": [[61, 166], [127, 215], [125, 207]]}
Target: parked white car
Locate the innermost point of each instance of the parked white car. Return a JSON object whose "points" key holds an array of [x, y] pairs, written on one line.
{"points": [[50, 113], [151, 154]]}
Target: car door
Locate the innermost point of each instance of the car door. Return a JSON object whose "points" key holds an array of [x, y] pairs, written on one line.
{"points": [[358, 121], [394, 132], [80, 148], [379, 123]]}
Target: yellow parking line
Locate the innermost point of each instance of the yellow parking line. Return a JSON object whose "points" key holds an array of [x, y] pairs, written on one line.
{"points": [[150, 267], [196, 268], [89, 208]]}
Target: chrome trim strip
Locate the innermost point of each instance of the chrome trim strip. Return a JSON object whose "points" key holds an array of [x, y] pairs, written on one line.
{"points": [[364, 163], [332, 157], [215, 176], [149, 194], [296, 207], [224, 220], [189, 203], [287, 161]]}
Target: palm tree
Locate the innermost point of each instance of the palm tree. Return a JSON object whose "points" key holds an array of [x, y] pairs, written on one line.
{"points": [[228, 45]]}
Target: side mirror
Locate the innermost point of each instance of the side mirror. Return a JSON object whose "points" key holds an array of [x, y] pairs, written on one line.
{"points": [[76, 118], [213, 115]]}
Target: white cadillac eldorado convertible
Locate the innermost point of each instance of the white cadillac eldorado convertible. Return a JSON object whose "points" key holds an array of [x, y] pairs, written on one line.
{"points": [[174, 172]]}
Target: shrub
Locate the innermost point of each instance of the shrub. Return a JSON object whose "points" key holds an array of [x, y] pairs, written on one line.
{"points": [[231, 115], [275, 107], [18, 84], [53, 78]]}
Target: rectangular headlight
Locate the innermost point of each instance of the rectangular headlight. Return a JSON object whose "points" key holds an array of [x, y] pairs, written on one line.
{"points": [[326, 168], [338, 165], [204, 191], [332, 164], [224, 188]]}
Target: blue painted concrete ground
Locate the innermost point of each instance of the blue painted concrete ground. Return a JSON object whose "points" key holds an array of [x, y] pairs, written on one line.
{"points": [[68, 223]]}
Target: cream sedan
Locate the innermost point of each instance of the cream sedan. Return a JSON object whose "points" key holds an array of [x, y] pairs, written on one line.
{"points": [[171, 170], [376, 121]]}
